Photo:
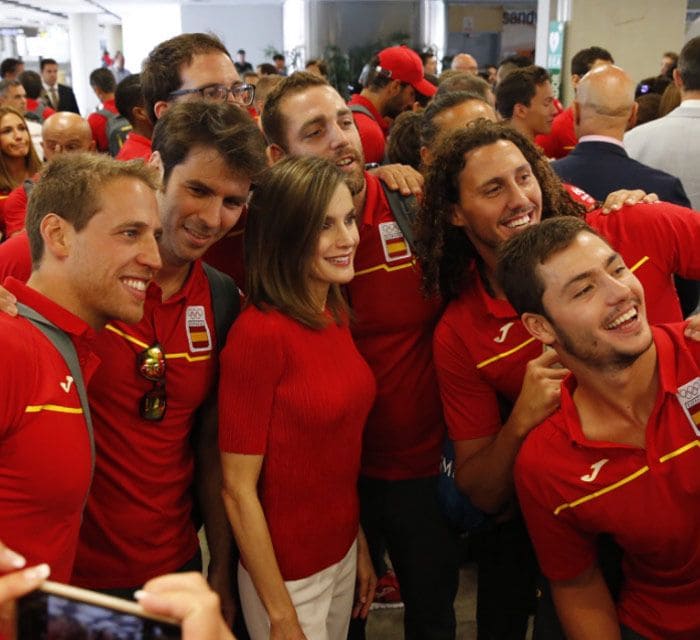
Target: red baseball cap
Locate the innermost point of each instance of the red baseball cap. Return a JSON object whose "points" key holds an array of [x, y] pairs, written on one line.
{"points": [[405, 65]]}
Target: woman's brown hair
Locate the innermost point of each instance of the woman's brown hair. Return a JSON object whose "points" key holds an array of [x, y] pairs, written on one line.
{"points": [[285, 216]]}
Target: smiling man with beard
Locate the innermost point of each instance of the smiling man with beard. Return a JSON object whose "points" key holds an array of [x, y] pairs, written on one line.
{"points": [[620, 456]]}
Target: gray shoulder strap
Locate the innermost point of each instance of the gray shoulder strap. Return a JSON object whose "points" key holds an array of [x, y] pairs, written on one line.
{"points": [[65, 347]]}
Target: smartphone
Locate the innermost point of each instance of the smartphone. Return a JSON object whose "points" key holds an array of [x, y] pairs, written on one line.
{"points": [[61, 612]]}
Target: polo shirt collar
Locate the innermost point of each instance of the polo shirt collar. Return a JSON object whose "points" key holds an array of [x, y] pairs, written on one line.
{"points": [[367, 104], [155, 294], [670, 370], [62, 318], [373, 193], [497, 308]]}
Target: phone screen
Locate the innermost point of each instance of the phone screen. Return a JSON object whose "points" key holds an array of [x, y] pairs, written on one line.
{"points": [[47, 616]]}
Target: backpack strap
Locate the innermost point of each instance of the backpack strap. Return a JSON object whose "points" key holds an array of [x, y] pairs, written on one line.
{"points": [[65, 347], [225, 302], [358, 108], [28, 185], [404, 209]]}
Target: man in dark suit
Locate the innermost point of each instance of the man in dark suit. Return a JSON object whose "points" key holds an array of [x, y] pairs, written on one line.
{"points": [[58, 96], [604, 109]]}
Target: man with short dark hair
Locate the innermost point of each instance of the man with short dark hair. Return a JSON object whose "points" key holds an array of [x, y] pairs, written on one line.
{"points": [[37, 110], [525, 99], [103, 84], [279, 63], [241, 64], [128, 98], [620, 448], [562, 138], [92, 228], [59, 96], [305, 116], [10, 68], [395, 75], [669, 143]]}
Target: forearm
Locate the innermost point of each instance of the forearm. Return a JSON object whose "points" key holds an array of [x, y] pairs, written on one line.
{"points": [[255, 546], [486, 477], [209, 481], [585, 607]]}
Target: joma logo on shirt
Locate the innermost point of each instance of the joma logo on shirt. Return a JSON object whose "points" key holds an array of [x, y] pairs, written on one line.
{"points": [[595, 470]]}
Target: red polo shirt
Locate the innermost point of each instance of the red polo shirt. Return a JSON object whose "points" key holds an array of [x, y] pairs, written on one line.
{"points": [[44, 442], [572, 489], [562, 138], [138, 519], [373, 131], [393, 327], [135, 146], [481, 347], [15, 258]]}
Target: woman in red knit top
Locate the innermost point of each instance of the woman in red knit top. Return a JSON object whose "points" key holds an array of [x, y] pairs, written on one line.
{"points": [[294, 395]]}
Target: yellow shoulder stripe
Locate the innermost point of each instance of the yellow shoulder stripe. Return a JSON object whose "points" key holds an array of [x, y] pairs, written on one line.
{"points": [[385, 267], [639, 263], [168, 356], [505, 354], [36, 408], [627, 479]]}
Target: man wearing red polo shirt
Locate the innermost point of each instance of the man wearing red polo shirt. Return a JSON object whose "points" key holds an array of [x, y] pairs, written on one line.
{"points": [[103, 84], [92, 225], [395, 75], [621, 454]]}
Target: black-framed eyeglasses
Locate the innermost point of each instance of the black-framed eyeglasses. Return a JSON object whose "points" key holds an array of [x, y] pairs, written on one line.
{"points": [[242, 93], [150, 364]]}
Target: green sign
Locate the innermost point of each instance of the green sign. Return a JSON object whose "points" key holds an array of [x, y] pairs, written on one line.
{"points": [[555, 54]]}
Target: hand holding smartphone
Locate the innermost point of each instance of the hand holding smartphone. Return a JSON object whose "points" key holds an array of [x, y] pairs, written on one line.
{"points": [[61, 612]]}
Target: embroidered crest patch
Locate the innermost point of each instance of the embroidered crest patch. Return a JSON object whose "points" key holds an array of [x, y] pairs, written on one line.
{"points": [[689, 397], [198, 334], [394, 244]]}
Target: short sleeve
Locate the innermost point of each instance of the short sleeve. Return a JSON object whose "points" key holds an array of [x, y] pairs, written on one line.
{"points": [[470, 404], [252, 363], [563, 550]]}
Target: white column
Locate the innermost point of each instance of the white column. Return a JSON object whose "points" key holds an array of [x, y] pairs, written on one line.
{"points": [[85, 56], [113, 33], [144, 26], [295, 29], [545, 14], [434, 26]]}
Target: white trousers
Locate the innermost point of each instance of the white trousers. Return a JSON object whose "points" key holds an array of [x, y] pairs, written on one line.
{"points": [[323, 601]]}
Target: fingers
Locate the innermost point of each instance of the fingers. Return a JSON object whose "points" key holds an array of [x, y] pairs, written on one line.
{"points": [[9, 560], [8, 302], [366, 587], [692, 329], [18, 583]]}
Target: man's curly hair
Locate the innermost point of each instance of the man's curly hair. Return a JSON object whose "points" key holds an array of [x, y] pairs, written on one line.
{"points": [[444, 251]]}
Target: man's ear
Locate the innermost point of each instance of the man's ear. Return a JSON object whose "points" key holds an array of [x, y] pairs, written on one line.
{"points": [[577, 112], [539, 327], [156, 161], [56, 234], [274, 153], [159, 108], [677, 79], [426, 156], [520, 110], [457, 216], [632, 120]]}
